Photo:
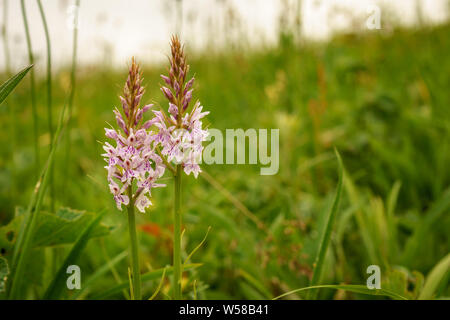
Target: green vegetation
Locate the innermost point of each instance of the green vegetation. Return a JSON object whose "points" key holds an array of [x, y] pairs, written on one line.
{"points": [[382, 101]]}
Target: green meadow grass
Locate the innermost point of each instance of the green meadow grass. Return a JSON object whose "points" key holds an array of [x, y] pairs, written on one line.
{"points": [[382, 102]]}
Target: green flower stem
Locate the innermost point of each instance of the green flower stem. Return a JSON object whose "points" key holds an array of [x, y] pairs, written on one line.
{"points": [[32, 88], [134, 246], [177, 237], [49, 100], [71, 94]]}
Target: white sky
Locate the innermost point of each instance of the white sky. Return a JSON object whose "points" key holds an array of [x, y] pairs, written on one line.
{"points": [[118, 29]]}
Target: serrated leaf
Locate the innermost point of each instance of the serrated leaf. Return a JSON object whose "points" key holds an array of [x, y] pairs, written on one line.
{"points": [[8, 86]]}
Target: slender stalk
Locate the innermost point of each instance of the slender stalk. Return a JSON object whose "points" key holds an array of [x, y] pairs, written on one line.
{"points": [[72, 87], [134, 246], [5, 37], [49, 100], [12, 114], [177, 237], [32, 88]]}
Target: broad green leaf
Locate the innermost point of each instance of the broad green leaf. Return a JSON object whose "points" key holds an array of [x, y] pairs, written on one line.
{"points": [[51, 229], [326, 237], [351, 288], [152, 275], [434, 278], [4, 272], [55, 289], [8, 86]]}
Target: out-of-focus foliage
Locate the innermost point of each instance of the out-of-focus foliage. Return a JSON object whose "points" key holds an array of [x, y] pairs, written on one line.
{"points": [[383, 102]]}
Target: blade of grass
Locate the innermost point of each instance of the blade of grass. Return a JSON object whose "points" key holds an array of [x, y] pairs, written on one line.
{"points": [[159, 286], [326, 237], [238, 204], [113, 270], [55, 289], [390, 210], [8, 86], [414, 244], [5, 38], [152, 275], [361, 220], [351, 288], [434, 278], [72, 88], [32, 88], [23, 242], [255, 283], [197, 247], [99, 273], [49, 99]]}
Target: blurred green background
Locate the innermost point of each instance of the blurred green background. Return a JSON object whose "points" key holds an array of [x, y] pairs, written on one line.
{"points": [[381, 100]]}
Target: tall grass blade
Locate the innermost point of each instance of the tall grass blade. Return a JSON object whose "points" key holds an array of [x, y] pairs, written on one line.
{"points": [[32, 89], [8, 86], [434, 278], [326, 237], [56, 287], [5, 38], [72, 86], [159, 286], [197, 247], [49, 99]]}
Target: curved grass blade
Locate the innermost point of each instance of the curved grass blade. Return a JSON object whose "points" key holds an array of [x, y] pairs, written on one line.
{"points": [[56, 287], [100, 272], [32, 89], [434, 278], [326, 237], [159, 286], [197, 247], [8, 86], [152, 275], [351, 288], [49, 98]]}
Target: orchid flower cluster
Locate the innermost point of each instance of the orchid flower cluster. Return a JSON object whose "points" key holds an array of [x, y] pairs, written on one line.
{"points": [[143, 150], [181, 133], [133, 160]]}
